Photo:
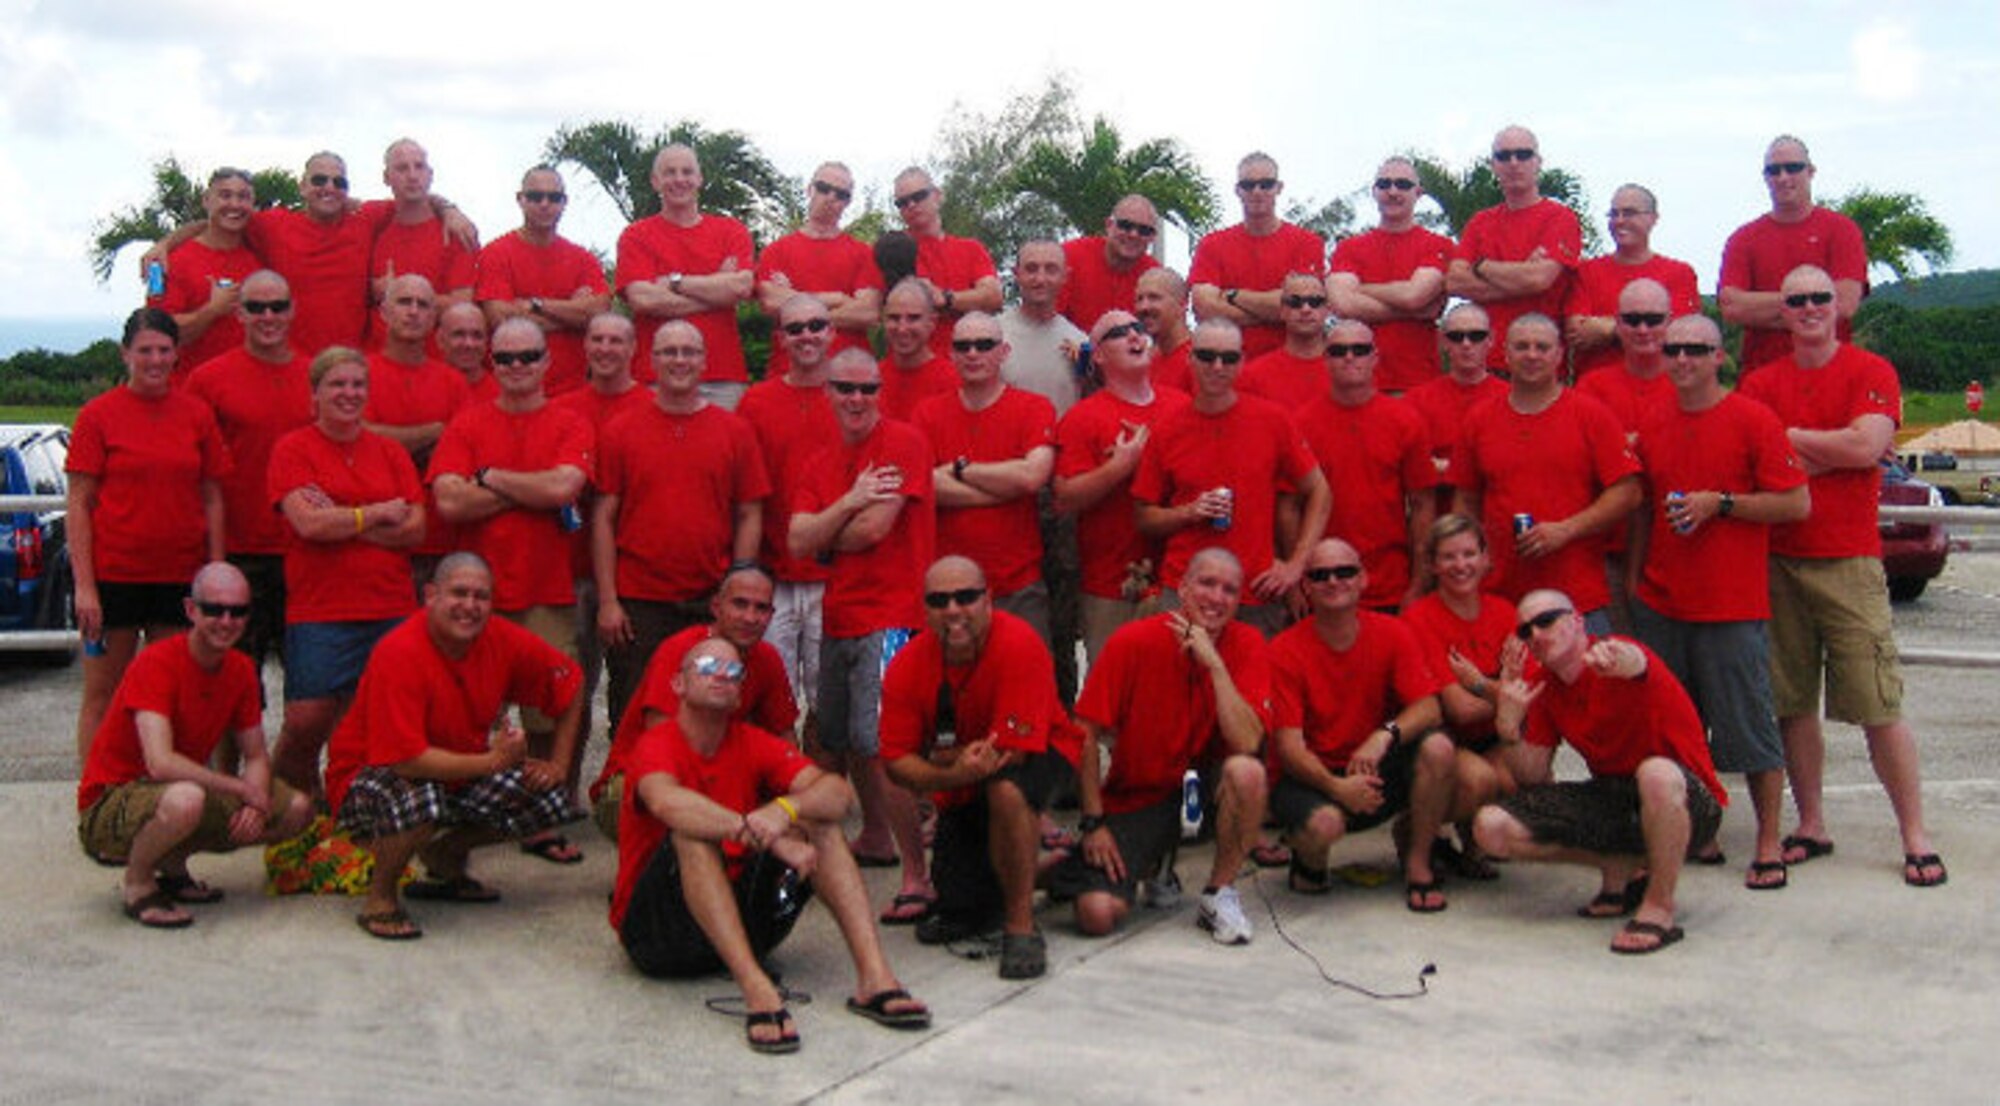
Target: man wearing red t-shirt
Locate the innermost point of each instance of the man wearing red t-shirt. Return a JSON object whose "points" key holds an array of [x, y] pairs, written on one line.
{"points": [[993, 448], [1634, 387], [912, 371], [461, 342], [1829, 601], [1161, 303], [1763, 252], [1294, 374], [1237, 271], [147, 798], [414, 242], [1376, 456], [1214, 473], [680, 498], [1104, 270], [1185, 688], [205, 273], [537, 274], [725, 821], [1555, 458], [1098, 446], [1594, 305], [957, 274], [1356, 731], [1652, 795], [1518, 256], [411, 396], [826, 263], [682, 265], [421, 766], [1392, 278], [1719, 475], [259, 393], [1444, 403]]}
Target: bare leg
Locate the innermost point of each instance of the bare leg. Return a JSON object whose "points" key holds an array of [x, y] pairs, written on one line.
{"points": [[1805, 765], [1013, 840], [897, 808], [837, 880], [392, 856], [711, 902], [1238, 817], [1767, 799], [1663, 817], [308, 723], [158, 843], [100, 682], [1892, 748], [1430, 804]]}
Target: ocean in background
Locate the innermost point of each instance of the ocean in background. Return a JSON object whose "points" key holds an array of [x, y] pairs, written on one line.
{"points": [[68, 335]]}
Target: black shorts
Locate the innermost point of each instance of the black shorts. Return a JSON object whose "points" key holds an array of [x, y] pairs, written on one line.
{"points": [[132, 606], [1293, 803], [1601, 814], [1145, 837], [961, 864], [664, 941]]}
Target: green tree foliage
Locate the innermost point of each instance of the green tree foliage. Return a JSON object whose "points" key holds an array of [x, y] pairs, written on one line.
{"points": [[1460, 193], [1935, 350], [975, 160], [1898, 229], [737, 179], [176, 199], [1084, 177], [1333, 220], [40, 376]]}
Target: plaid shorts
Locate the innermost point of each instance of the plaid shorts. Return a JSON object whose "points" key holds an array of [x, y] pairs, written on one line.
{"points": [[381, 803]]}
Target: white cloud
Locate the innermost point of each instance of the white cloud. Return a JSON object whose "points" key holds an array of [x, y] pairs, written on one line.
{"points": [[1888, 63]]}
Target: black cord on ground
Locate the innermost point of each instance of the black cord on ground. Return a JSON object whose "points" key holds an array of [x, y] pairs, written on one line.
{"points": [[1423, 976], [733, 1006]]}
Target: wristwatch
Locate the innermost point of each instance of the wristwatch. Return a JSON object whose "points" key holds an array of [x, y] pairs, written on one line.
{"points": [[479, 477], [674, 282], [958, 467], [1725, 505], [1090, 823], [1229, 297], [1394, 731], [534, 305]]}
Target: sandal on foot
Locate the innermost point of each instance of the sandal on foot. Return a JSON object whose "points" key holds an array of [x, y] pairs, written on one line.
{"points": [[1270, 856], [787, 1039], [389, 925], [1417, 896], [1765, 869], [555, 850], [187, 889], [1662, 937], [1616, 904], [1914, 866], [1798, 849], [461, 889], [900, 912], [148, 911], [1715, 859], [1308, 881], [876, 1009]]}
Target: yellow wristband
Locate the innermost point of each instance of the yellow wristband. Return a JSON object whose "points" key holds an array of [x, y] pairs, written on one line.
{"points": [[358, 525], [785, 805]]}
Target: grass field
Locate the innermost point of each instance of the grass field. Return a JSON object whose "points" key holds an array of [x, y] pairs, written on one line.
{"points": [[63, 415]]}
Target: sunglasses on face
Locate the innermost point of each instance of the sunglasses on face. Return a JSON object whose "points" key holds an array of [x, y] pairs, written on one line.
{"points": [[1332, 572], [1257, 184], [712, 667], [855, 387], [1786, 168], [838, 193], [1466, 336], [1143, 230], [521, 357], [1518, 153], [537, 196], [1642, 319], [1541, 621], [1817, 299], [1687, 349], [917, 197], [964, 597], [1122, 330], [223, 610], [1400, 184], [1211, 356], [1349, 349], [1296, 302], [810, 326], [967, 345], [267, 307], [321, 180]]}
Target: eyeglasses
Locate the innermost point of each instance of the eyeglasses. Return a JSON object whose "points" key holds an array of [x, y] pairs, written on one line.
{"points": [[714, 667], [855, 387], [1786, 168], [1211, 356], [1643, 318], [1296, 302], [810, 326], [838, 193], [1817, 299], [967, 345], [1349, 349], [964, 597], [537, 196], [1518, 153], [1400, 184], [321, 180], [267, 307], [1626, 212], [1332, 572], [1123, 330], [1467, 337], [917, 197], [222, 610], [1541, 621], [1687, 349], [1257, 184], [521, 357], [1143, 230]]}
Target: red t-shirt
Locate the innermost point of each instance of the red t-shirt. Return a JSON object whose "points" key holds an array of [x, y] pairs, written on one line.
{"points": [[679, 480], [1235, 258], [953, 264], [1107, 534], [1501, 233], [192, 270], [1407, 348], [792, 425], [1718, 573], [326, 265], [1762, 252], [526, 548], [878, 588], [1093, 286], [1479, 641], [652, 248], [1008, 694], [749, 768], [1598, 284], [1853, 384], [420, 249], [766, 696], [838, 264], [1253, 449], [1337, 697], [347, 580], [201, 706], [1005, 540], [255, 403], [1290, 382], [1146, 688], [904, 389], [1632, 401], [415, 395], [414, 698], [1374, 455], [1175, 370], [599, 410], [150, 456], [1550, 465], [513, 268], [1615, 724], [1444, 404]]}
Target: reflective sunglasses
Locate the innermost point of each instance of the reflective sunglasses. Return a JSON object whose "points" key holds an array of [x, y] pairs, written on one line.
{"points": [[712, 667], [837, 192], [1541, 621]]}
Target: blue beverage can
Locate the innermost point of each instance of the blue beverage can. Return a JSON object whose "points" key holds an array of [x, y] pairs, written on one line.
{"points": [[1225, 521], [156, 279], [1523, 523], [93, 647], [1679, 497], [1190, 804], [570, 518]]}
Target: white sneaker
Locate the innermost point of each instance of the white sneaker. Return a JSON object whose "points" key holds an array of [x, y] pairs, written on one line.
{"points": [[1222, 916], [1162, 892]]}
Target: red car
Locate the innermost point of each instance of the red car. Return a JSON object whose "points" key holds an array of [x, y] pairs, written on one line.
{"points": [[1913, 553]]}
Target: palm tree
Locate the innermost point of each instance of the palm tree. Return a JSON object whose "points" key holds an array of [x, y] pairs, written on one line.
{"points": [[1898, 230], [1462, 193], [1085, 181], [976, 160], [736, 178], [176, 199]]}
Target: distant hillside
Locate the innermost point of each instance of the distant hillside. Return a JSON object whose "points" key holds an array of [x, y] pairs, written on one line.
{"points": [[1974, 289]]}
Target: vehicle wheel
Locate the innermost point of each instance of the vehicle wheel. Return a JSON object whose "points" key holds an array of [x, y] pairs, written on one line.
{"points": [[1905, 589], [1950, 496]]}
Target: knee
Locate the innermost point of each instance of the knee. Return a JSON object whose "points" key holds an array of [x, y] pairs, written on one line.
{"points": [[1244, 777], [1326, 826], [1005, 800], [1662, 784], [293, 818], [180, 806], [1496, 831], [1098, 913], [1436, 755]]}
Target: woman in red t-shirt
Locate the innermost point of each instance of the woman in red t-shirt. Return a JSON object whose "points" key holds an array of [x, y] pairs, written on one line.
{"points": [[144, 511]]}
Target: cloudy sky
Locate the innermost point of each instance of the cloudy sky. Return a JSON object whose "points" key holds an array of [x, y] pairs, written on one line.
{"points": [[1682, 97]]}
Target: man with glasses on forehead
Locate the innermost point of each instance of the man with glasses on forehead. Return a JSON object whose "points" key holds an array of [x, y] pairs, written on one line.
{"points": [[957, 272], [1294, 374], [205, 273], [1392, 278], [1719, 474], [1762, 253], [1594, 311], [537, 274], [1652, 796], [1518, 256], [1237, 271], [1104, 270], [822, 261], [1465, 332], [414, 241], [685, 266], [148, 799], [1829, 601]]}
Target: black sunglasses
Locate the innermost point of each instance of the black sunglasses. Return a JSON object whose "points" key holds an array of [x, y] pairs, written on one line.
{"points": [[1211, 356], [1332, 572], [810, 326], [1786, 168], [267, 307], [1257, 184], [522, 357], [917, 197], [1113, 334], [321, 180], [1817, 299], [1304, 301], [964, 597], [967, 345], [1541, 621], [537, 196], [1687, 349], [1400, 184], [1643, 318], [1518, 153], [1143, 230], [1467, 336], [853, 387], [223, 610], [838, 193], [1349, 349]]}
